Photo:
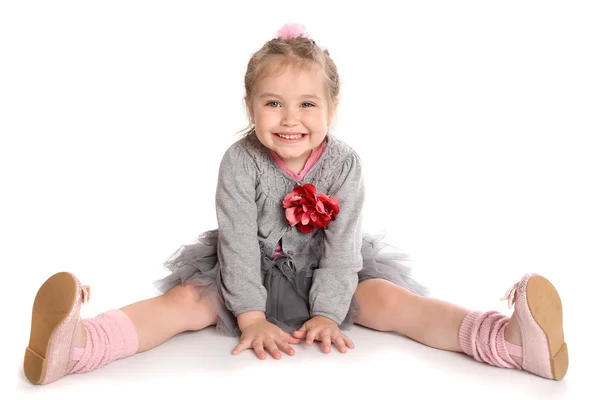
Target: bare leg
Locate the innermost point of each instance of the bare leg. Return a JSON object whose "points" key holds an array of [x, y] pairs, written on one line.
{"points": [[159, 318], [385, 306]]}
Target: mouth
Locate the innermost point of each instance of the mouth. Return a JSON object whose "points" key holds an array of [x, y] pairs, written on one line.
{"points": [[291, 137]]}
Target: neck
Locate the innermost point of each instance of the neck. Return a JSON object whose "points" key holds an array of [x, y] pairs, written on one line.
{"points": [[297, 165]]}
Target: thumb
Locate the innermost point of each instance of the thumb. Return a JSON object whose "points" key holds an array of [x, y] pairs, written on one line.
{"points": [[291, 339], [300, 333]]}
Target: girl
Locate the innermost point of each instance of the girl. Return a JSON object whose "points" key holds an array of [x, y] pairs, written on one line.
{"points": [[289, 261]]}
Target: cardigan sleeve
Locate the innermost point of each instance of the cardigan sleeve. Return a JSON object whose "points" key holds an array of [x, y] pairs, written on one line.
{"points": [[336, 278], [238, 246]]}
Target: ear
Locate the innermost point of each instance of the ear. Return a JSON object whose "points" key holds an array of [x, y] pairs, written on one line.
{"points": [[332, 110], [249, 109]]}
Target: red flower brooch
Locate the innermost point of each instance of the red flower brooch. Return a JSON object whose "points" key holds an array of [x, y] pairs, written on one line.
{"points": [[309, 210]]}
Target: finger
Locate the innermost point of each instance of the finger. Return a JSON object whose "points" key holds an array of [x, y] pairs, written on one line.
{"points": [[291, 339], [285, 347], [272, 348], [326, 342], [244, 345], [340, 344], [348, 341], [300, 333], [259, 350], [311, 335]]}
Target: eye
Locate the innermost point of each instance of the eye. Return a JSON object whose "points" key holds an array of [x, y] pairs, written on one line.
{"points": [[273, 104], [307, 104]]}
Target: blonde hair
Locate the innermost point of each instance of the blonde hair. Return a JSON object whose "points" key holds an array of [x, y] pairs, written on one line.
{"points": [[299, 52]]}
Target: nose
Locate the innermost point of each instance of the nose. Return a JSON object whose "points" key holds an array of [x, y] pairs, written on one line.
{"points": [[289, 117]]}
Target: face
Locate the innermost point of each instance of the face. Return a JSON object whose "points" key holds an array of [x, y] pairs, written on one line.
{"points": [[291, 114]]}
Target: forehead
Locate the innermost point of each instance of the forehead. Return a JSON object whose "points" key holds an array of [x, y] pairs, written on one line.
{"points": [[292, 79]]}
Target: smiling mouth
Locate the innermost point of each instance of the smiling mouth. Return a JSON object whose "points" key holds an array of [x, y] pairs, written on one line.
{"points": [[294, 136]]}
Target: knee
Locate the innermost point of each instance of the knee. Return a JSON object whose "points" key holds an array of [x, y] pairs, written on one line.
{"points": [[384, 296], [184, 297], [194, 310]]}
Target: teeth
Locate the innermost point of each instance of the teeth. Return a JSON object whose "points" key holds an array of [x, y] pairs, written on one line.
{"points": [[290, 136]]}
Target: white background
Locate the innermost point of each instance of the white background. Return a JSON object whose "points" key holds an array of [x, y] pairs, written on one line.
{"points": [[477, 123]]}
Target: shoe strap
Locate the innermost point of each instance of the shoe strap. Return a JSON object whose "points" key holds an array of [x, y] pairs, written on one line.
{"points": [[77, 353], [513, 349]]}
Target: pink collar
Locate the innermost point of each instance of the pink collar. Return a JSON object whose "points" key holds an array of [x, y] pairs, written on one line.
{"points": [[312, 160]]}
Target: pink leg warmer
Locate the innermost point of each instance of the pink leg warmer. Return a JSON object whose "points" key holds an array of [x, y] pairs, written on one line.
{"points": [[109, 336], [481, 336]]}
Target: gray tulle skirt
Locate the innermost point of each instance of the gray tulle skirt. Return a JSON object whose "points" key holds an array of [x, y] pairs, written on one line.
{"points": [[287, 280]]}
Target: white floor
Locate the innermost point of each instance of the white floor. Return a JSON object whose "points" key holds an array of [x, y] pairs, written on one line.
{"points": [[382, 365]]}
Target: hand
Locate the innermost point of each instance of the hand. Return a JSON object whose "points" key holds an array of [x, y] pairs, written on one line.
{"points": [[258, 334], [326, 331]]}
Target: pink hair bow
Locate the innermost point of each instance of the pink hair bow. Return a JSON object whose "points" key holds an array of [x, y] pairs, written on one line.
{"points": [[290, 31]]}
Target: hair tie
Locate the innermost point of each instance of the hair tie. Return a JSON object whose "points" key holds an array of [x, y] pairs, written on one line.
{"points": [[290, 31]]}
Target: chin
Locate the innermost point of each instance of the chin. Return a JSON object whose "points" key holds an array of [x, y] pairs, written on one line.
{"points": [[288, 155]]}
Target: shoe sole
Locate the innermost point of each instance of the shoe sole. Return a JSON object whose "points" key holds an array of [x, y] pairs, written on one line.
{"points": [[546, 308], [53, 304]]}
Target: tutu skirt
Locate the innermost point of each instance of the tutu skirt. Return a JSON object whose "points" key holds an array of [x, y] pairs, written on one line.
{"points": [[287, 279]]}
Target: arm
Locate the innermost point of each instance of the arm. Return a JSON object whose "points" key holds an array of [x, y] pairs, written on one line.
{"points": [[238, 246], [336, 279]]}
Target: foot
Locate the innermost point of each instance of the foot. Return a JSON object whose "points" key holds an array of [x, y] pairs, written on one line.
{"points": [[55, 324], [513, 336], [534, 336], [77, 346]]}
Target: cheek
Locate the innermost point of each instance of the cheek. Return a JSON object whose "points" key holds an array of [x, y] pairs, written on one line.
{"points": [[316, 119], [264, 118]]}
